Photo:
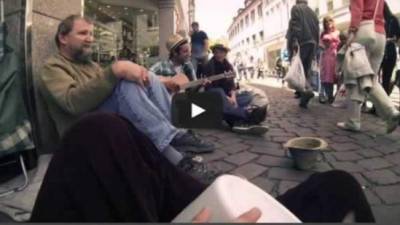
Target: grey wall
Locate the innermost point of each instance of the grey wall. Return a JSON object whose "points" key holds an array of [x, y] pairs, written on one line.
{"points": [[46, 16]]}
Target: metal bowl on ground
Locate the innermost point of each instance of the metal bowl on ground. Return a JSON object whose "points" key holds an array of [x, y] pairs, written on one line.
{"points": [[305, 151]]}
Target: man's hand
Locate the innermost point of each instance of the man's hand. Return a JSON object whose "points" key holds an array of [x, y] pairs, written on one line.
{"points": [[131, 71], [232, 100], [171, 86], [206, 82], [251, 216]]}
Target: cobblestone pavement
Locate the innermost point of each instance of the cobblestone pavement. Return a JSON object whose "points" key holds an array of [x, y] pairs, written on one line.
{"points": [[371, 156]]}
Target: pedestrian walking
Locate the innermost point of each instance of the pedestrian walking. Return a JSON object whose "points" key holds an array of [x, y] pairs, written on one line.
{"points": [[303, 31], [362, 61]]}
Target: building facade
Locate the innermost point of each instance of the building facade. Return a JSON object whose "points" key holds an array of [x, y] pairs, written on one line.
{"points": [[264, 38], [141, 27]]}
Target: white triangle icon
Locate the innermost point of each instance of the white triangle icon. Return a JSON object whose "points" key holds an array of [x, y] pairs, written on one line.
{"points": [[196, 110]]}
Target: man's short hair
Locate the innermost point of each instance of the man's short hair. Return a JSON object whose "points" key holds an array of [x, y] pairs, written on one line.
{"points": [[66, 26], [195, 24]]}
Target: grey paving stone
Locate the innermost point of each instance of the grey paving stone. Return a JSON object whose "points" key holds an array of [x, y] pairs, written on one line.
{"points": [[342, 147], [325, 134], [361, 179], [385, 214], [218, 145], [250, 170], [282, 139], [288, 174], [397, 170], [321, 167], [241, 158], [369, 153], [284, 186], [271, 161], [230, 141], [374, 163], [232, 149], [279, 151], [360, 137], [262, 142], [347, 166], [222, 166], [370, 143], [387, 149], [382, 177], [264, 183], [393, 158], [342, 139], [217, 155], [328, 156], [389, 194], [347, 156], [371, 197]]}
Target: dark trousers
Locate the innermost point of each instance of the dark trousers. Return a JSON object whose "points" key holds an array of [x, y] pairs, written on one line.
{"points": [[328, 90], [388, 64], [232, 113], [107, 171], [307, 54]]}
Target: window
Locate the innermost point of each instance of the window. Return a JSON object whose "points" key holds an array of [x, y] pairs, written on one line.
{"points": [[317, 11], [241, 24], [330, 5], [261, 35], [123, 31], [247, 20], [259, 11], [253, 16]]}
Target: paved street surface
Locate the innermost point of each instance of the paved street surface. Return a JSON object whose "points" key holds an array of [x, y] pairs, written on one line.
{"points": [[371, 156]]}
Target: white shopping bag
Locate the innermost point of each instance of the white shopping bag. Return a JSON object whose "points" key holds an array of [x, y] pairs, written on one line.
{"points": [[295, 76]]}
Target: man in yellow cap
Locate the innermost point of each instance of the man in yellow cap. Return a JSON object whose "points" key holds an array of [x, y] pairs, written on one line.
{"points": [[241, 116]]}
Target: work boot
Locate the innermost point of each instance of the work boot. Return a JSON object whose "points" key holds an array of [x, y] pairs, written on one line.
{"points": [[190, 142], [305, 99], [253, 129], [197, 169]]}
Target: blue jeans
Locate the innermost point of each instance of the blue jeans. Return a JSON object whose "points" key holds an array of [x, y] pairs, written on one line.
{"points": [[148, 108], [232, 113]]}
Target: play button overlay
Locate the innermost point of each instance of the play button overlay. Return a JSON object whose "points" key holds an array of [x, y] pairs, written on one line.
{"points": [[197, 110]]}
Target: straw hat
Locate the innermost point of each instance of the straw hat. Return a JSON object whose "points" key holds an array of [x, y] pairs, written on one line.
{"points": [[174, 41], [219, 47]]}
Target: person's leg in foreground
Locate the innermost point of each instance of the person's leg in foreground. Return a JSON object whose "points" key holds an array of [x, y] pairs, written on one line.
{"points": [[107, 171]]}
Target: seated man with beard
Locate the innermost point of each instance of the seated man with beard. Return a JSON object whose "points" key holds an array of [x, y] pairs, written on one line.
{"points": [[73, 85]]}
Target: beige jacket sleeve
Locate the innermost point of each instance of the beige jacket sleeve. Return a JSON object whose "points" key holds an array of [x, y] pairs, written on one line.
{"points": [[61, 88]]}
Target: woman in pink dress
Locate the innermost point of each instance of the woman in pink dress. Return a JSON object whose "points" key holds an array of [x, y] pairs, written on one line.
{"points": [[329, 43]]}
